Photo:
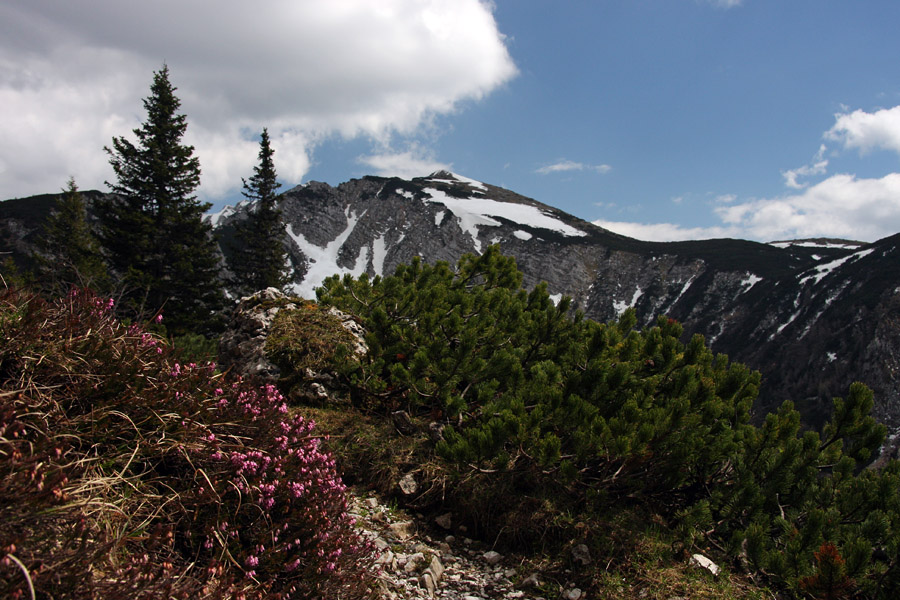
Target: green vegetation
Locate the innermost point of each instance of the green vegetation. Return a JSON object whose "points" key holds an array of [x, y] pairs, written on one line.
{"points": [[126, 472], [553, 423], [152, 229], [259, 258], [306, 338], [69, 251]]}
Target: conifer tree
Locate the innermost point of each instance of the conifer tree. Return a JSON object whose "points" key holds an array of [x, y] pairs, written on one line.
{"points": [[258, 260], [69, 253], [153, 229]]}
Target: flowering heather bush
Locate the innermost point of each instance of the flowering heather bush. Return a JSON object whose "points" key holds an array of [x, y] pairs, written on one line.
{"points": [[125, 473]]}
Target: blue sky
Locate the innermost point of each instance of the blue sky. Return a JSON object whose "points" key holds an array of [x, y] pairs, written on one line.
{"points": [[660, 119]]}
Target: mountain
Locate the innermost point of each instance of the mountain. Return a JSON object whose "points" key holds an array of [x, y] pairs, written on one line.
{"points": [[812, 315]]}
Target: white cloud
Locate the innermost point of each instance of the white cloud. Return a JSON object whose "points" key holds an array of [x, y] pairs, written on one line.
{"points": [[818, 166], [666, 232], [409, 164], [568, 165], [72, 75], [841, 206], [865, 131]]}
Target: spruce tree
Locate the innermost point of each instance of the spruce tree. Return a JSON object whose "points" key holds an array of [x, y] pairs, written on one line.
{"points": [[153, 228], [68, 252], [258, 259]]}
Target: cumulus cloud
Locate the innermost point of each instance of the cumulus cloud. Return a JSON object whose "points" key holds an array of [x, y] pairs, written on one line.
{"points": [[841, 206], [569, 165], [818, 166], [409, 164], [72, 75], [667, 232], [864, 131]]}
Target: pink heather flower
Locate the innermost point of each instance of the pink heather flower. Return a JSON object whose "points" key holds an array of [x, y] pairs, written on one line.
{"points": [[251, 561], [158, 318]]}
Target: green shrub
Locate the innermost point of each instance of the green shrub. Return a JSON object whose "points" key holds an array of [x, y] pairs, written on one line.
{"points": [[551, 419]]}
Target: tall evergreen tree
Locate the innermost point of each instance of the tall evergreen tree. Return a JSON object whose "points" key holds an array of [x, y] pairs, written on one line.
{"points": [[153, 228], [68, 252], [258, 259]]}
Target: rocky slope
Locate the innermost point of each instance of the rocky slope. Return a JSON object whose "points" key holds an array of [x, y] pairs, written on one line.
{"points": [[812, 316]]}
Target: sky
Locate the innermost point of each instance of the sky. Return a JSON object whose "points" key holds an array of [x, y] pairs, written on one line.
{"points": [[659, 119]]}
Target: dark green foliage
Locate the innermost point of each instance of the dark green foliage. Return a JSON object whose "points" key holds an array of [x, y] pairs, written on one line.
{"points": [[152, 228], [69, 253], [584, 418], [258, 258]]}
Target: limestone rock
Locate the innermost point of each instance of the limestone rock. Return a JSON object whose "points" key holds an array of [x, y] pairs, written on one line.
{"points": [[402, 530], [581, 555], [701, 561], [444, 521], [242, 345], [408, 484]]}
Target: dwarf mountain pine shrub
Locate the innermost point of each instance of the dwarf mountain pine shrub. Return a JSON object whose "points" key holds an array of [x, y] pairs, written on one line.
{"points": [[546, 413], [126, 473]]}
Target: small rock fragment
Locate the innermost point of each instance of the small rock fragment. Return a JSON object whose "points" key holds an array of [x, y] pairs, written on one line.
{"points": [[445, 521], [704, 563], [403, 529], [581, 555], [408, 484], [413, 561], [491, 557]]}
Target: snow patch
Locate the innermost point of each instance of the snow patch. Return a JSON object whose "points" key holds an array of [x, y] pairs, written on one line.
{"points": [[831, 357], [814, 244], [473, 213], [522, 235], [438, 218], [683, 290], [323, 261], [620, 306], [556, 298], [214, 218], [379, 253], [460, 179], [823, 270], [751, 280], [405, 193]]}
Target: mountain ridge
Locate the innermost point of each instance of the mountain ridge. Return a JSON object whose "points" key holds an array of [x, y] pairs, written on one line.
{"points": [[813, 317]]}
